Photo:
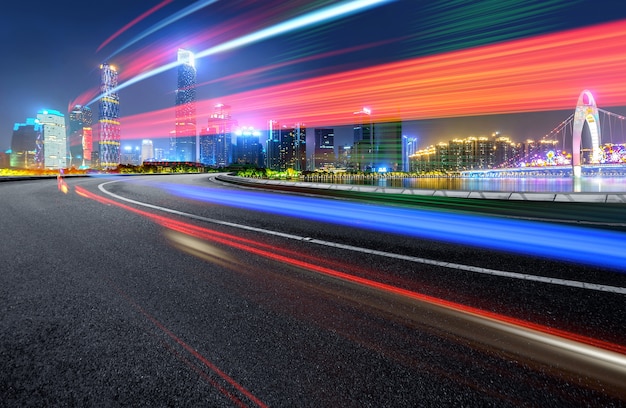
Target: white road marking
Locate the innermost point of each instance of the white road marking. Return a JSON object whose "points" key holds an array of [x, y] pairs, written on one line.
{"points": [[425, 261]]}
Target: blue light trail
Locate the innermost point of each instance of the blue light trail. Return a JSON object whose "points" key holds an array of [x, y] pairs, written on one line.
{"points": [[165, 22], [572, 244]]}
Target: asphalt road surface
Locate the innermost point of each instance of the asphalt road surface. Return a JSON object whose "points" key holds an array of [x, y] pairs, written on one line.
{"points": [[183, 291]]}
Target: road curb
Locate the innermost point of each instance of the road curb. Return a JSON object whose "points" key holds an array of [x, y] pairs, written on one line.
{"points": [[616, 198]]}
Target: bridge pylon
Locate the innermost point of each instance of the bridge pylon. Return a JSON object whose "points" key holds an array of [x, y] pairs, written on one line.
{"points": [[586, 111]]}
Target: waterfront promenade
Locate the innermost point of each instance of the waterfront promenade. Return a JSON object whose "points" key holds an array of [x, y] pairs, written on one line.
{"points": [[588, 197]]}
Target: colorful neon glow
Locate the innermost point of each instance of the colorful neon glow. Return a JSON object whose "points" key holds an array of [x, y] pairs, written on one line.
{"points": [[237, 401], [518, 76], [535, 74], [255, 247], [569, 244], [251, 76], [586, 111], [315, 17], [164, 23]]}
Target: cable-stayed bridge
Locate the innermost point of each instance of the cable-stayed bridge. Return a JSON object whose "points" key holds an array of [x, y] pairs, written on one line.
{"points": [[595, 136]]}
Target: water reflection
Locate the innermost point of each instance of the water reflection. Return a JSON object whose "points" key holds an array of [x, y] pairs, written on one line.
{"points": [[523, 185]]}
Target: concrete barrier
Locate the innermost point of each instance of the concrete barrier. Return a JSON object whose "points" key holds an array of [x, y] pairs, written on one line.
{"points": [[617, 198]]}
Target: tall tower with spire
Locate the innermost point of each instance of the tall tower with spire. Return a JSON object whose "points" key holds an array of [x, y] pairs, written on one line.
{"points": [[185, 127]]}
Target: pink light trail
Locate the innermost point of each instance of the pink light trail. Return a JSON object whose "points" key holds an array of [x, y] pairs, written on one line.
{"points": [[133, 22], [542, 73]]}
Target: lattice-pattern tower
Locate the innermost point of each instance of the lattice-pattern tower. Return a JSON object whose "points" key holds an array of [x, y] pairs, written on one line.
{"points": [[109, 122]]}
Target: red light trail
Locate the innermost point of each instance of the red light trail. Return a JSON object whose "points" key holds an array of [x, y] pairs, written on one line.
{"points": [[595, 362], [201, 358], [537, 74], [133, 22], [279, 255]]}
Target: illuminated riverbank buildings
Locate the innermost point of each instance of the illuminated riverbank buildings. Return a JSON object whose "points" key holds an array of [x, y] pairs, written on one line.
{"points": [[286, 147], [216, 140], [481, 153]]}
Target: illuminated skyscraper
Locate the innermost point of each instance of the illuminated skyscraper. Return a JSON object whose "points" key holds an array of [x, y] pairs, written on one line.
{"points": [[409, 148], [109, 123], [388, 146], [185, 127], [272, 146], [507, 153], [147, 150], [293, 147], [363, 126], [324, 148], [363, 147], [216, 141], [27, 145], [54, 139], [249, 150], [80, 136]]}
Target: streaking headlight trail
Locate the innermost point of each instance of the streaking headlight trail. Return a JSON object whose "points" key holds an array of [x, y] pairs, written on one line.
{"points": [[316, 17], [164, 23], [566, 243], [326, 14], [132, 23]]}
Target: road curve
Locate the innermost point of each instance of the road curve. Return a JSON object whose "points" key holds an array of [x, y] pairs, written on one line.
{"points": [[149, 290]]}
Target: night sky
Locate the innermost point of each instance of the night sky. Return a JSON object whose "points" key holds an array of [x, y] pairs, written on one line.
{"points": [[52, 50]]}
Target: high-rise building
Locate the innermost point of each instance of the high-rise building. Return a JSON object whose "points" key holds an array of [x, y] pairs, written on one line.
{"points": [[409, 148], [159, 154], [216, 141], [272, 146], [130, 155], [429, 159], [185, 127], [324, 155], [27, 145], [345, 157], [109, 121], [80, 136], [363, 147], [249, 149], [471, 153], [507, 153], [363, 126], [171, 151], [459, 155], [485, 153], [538, 150], [5, 159], [147, 150], [293, 147], [388, 146], [54, 139]]}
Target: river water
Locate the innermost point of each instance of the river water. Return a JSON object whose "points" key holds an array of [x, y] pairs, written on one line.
{"points": [[583, 184]]}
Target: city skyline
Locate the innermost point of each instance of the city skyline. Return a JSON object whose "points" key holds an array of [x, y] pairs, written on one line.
{"points": [[242, 74]]}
